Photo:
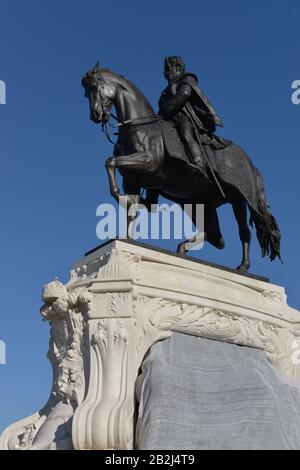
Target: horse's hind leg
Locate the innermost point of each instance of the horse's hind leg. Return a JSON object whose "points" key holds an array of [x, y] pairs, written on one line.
{"points": [[212, 232], [240, 211], [212, 227], [186, 245]]}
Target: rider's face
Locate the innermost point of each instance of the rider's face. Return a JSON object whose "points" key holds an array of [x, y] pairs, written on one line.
{"points": [[171, 72]]}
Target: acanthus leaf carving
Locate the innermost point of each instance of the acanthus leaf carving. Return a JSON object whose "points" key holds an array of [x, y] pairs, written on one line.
{"points": [[121, 265], [275, 301], [112, 304]]}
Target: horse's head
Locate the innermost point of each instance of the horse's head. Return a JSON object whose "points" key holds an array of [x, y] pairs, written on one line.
{"points": [[100, 94]]}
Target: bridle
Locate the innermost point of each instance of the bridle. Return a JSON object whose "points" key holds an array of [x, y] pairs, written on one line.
{"points": [[128, 123]]}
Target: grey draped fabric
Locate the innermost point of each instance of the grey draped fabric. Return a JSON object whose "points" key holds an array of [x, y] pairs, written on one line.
{"points": [[196, 393]]}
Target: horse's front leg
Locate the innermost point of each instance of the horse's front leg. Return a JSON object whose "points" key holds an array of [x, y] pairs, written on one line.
{"points": [[140, 161], [112, 179]]}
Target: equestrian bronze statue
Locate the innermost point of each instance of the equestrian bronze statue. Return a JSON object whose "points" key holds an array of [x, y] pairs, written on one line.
{"points": [[176, 153]]}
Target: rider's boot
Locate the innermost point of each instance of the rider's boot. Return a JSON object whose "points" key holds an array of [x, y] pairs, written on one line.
{"points": [[197, 159]]}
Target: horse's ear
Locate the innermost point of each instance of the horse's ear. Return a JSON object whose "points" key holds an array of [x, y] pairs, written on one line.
{"points": [[96, 68]]}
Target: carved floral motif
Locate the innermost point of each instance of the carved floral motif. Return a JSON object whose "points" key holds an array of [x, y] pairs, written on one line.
{"points": [[275, 301]]}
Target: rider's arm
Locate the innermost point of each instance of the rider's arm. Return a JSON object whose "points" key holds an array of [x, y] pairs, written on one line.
{"points": [[168, 108]]}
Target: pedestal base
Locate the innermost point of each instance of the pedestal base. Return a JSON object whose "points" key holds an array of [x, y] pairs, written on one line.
{"points": [[119, 301]]}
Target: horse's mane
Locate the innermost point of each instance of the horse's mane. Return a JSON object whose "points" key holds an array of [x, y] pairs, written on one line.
{"points": [[108, 75], [120, 79], [126, 84]]}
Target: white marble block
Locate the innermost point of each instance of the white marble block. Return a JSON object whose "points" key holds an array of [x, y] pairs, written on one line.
{"points": [[120, 300]]}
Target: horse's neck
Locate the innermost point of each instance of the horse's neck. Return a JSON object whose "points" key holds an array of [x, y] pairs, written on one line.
{"points": [[130, 103]]}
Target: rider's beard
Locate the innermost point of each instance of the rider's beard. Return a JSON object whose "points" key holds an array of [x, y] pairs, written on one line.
{"points": [[172, 74]]}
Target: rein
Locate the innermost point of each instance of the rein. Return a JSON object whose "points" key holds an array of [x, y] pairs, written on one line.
{"points": [[108, 134], [139, 121], [130, 122]]}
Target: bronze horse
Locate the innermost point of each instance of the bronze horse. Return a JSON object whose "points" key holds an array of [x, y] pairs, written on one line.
{"points": [[142, 158]]}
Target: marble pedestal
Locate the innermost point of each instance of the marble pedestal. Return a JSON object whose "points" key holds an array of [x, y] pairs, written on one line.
{"points": [[120, 300]]}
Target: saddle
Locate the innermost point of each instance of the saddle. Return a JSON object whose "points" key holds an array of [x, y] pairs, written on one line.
{"points": [[175, 147]]}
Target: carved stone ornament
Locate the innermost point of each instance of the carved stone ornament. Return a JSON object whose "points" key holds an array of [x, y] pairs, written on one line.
{"points": [[120, 300]]}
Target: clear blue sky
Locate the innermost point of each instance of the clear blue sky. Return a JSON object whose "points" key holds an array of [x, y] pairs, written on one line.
{"points": [[246, 55]]}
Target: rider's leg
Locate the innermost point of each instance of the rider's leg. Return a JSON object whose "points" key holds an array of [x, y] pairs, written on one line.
{"points": [[186, 133]]}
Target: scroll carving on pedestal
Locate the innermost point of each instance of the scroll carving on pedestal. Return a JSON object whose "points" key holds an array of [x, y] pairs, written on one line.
{"points": [[50, 428]]}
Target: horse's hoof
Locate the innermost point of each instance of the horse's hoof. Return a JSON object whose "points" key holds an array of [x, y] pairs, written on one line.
{"points": [[181, 249], [221, 244], [133, 199], [243, 268]]}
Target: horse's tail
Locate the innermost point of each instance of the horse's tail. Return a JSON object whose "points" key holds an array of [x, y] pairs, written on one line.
{"points": [[267, 228]]}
